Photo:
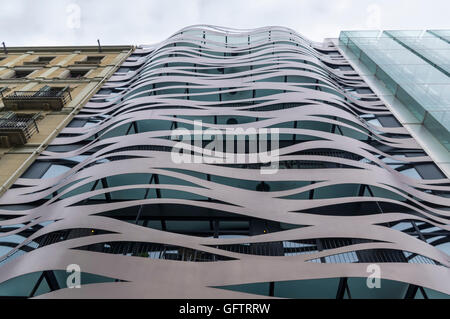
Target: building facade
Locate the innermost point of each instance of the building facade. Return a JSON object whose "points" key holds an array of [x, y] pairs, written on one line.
{"points": [[226, 163], [413, 70], [41, 89]]}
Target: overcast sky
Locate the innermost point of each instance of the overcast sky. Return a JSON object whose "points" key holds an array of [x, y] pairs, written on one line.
{"points": [[73, 22]]}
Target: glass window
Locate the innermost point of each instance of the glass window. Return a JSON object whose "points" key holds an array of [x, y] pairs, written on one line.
{"points": [[55, 170]]}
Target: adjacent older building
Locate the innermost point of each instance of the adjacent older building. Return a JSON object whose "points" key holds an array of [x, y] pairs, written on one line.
{"points": [[41, 89], [323, 192]]}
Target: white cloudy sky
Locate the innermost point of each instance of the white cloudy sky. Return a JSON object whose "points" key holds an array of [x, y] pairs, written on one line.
{"points": [[71, 22]]}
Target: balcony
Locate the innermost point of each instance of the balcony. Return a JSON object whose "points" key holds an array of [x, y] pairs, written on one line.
{"points": [[40, 61], [94, 62], [17, 129], [32, 63], [90, 61], [49, 99]]}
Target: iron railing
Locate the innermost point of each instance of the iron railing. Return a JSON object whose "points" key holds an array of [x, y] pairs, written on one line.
{"points": [[63, 95], [90, 62], [23, 123], [35, 62]]}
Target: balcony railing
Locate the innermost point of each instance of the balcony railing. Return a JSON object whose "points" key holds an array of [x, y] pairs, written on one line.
{"points": [[17, 129], [90, 62], [52, 99], [40, 63]]}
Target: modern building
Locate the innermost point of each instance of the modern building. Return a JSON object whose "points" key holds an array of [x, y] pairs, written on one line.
{"points": [[410, 70], [226, 163], [41, 89]]}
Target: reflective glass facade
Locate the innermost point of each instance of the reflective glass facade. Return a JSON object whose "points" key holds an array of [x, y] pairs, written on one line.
{"points": [[414, 66]]}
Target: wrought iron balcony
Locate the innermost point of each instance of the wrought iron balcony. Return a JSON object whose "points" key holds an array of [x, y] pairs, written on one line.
{"points": [[51, 99], [17, 129], [40, 63], [91, 62]]}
